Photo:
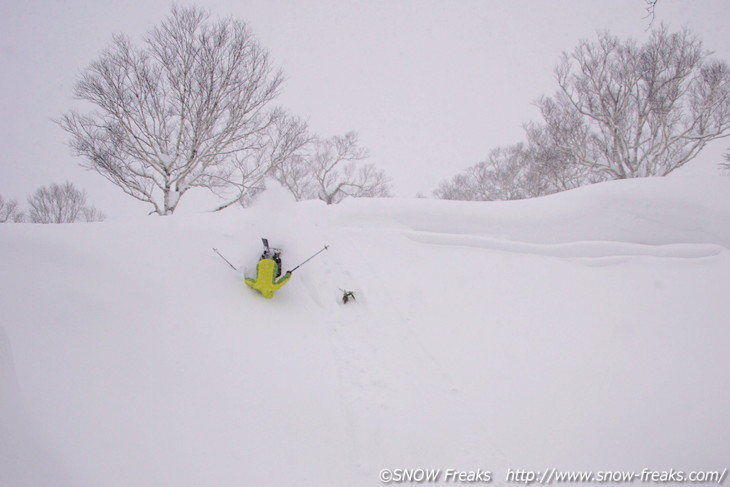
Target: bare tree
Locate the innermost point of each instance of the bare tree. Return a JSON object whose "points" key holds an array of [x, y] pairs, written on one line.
{"points": [[459, 187], [295, 174], [91, 214], [9, 211], [625, 110], [61, 204], [556, 168], [507, 174], [331, 171], [190, 108]]}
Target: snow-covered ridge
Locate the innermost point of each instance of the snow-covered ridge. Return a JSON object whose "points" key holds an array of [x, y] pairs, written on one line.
{"points": [[584, 330], [652, 211]]}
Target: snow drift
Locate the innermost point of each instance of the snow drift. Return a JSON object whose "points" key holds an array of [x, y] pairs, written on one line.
{"points": [[585, 330]]}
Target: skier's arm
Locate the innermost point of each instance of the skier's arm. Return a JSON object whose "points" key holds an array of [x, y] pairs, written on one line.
{"points": [[282, 280]]}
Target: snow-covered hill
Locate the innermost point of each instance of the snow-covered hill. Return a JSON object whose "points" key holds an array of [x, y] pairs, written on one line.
{"points": [[585, 330]]}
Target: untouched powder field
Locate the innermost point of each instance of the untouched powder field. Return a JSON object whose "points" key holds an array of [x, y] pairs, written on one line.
{"points": [[588, 330]]}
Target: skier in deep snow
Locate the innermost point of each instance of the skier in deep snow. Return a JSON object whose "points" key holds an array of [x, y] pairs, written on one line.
{"points": [[268, 270]]}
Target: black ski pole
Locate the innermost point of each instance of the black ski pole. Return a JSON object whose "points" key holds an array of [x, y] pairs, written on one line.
{"points": [[221, 256], [312, 257]]}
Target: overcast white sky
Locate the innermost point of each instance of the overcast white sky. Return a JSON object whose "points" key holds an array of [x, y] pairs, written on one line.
{"points": [[431, 86]]}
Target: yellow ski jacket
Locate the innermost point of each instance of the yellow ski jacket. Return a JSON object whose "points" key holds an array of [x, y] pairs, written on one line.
{"points": [[266, 282]]}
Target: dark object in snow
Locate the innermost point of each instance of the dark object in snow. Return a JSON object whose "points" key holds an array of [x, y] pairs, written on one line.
{"points": [[347, 296]]}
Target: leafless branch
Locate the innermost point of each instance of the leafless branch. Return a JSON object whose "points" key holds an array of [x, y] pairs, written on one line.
{"points": [[650, 12]]}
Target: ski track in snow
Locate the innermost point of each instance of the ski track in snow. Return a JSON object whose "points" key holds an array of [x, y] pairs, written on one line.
{"points": [[369, 334]]}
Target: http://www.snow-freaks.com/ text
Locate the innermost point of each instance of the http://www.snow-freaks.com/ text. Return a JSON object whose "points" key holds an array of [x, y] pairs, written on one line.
{"points": [[548, 476]]}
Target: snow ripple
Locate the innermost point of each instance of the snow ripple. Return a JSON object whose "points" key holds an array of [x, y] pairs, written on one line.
{"points": [[572, 250]]}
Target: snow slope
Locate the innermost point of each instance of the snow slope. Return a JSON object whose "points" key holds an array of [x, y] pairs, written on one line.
{"points": [[585, 330]]}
